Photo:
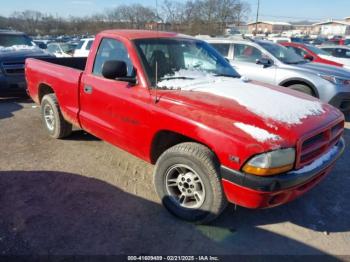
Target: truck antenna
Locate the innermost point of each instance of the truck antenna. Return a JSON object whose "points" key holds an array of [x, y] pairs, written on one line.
{"points": [[156, 85]]}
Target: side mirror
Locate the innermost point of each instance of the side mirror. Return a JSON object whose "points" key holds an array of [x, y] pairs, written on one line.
{"points": [[308, 57], [113, 69], [264, 61], [42, 46], [117, 70]]}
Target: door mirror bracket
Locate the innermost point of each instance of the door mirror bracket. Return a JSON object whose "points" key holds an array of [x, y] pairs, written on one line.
{"points": [[264, 61]]}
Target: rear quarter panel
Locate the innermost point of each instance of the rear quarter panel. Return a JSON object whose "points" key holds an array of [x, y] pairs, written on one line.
{"points": [[64, 81]]}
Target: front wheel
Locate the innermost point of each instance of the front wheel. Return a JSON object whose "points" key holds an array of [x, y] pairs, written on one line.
{"points": [[303, 88], [188, 183]]}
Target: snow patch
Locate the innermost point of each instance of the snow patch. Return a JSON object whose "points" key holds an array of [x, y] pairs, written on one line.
{"points": [[319, 162], [263, 101], [17, 48], [261, 135]]}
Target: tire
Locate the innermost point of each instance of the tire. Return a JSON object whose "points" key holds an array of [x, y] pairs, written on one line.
{"points": [[190, 161], [303, 88], [52, 118]]}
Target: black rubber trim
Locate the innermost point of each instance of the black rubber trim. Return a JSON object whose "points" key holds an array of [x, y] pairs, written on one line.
{"points": [[279, 182], [301, 81], [338, 99]]}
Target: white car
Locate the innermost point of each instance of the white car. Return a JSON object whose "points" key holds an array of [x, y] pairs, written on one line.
{"points": [[83, 48], [61, 49], [337, 53], [278, 40]]}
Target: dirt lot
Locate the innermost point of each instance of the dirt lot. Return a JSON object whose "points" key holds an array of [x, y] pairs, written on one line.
{"points": [[84, 196]]}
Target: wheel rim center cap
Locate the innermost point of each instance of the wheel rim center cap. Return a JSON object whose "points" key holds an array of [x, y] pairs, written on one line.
{"points": [[186, 184]]}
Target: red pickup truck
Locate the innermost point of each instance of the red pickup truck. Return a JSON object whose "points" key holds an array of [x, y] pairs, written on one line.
{"points": [[175, 102]]}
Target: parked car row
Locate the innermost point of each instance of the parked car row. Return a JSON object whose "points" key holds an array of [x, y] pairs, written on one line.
{"points": [[68, 48]]}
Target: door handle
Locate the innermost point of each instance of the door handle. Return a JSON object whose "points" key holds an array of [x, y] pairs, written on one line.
{"points": [[88, 90]]}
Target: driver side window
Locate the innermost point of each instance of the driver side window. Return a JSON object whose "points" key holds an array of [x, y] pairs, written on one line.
{"points": [[246, 53], [298, 51], [111, 49]]}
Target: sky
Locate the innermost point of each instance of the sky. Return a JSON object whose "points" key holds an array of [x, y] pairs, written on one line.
{"points": [[274, 10]]}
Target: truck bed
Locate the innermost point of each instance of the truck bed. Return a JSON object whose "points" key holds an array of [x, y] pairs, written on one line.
{"points": [[73, 62], [62, 75]]}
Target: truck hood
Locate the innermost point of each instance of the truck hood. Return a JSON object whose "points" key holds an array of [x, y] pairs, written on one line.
{"points": [[249, 111], [22, 54], [324, 69]]}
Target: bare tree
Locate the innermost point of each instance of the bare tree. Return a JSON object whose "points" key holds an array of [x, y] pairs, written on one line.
{"points": [[190, 16]]}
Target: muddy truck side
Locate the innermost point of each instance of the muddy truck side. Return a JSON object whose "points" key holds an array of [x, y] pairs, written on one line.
{"points": [[176, 103]]}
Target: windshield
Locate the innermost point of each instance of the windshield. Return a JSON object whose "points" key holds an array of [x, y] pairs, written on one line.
{"points": [[164, 58], [282, 53], [316, 50], [14, 40], [67, 48]]}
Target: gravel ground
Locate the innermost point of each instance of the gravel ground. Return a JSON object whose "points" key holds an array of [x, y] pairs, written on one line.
{"points": [[83, 196]]}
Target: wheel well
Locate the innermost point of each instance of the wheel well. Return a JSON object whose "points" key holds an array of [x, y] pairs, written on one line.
{"points": [[164, 140], [44, 90], [300, 82]]}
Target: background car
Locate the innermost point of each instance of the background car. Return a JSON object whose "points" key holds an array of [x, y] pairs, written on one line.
{"points": [[275, 64], [337, 41], [40, 44], [311, 53], [83, 48], [339, 54], [15, 47], [61, 49]]}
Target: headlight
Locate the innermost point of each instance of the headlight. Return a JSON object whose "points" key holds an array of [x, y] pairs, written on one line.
{"points": [[271, 163], [336, 80]]}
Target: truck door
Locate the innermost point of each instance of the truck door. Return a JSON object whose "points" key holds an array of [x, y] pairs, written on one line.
{"points": [[113, 110], [244, 61]]}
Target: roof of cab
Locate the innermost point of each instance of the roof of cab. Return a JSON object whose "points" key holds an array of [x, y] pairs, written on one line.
{"points": [[142, 34]]}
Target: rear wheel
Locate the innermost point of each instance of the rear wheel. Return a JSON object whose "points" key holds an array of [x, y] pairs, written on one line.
{"points": [[53, 119], [187, 181], [303, 88]]}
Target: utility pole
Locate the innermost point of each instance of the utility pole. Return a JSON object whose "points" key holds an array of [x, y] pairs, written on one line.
{"points": [[257, 18]]}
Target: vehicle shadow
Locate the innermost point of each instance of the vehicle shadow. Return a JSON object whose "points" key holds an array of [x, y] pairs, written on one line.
{"points": [[81, 135], [8, 107], [56, 213]]}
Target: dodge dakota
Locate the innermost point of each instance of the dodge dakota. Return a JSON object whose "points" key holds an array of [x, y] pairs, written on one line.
{"points": [[173, 101]]}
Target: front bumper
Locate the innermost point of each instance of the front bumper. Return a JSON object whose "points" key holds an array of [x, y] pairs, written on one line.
{"points": [[263, 192], [12, 84]]}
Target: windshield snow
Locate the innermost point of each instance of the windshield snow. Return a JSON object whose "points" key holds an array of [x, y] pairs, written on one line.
{"points": [[15, 42], [166, 59]]}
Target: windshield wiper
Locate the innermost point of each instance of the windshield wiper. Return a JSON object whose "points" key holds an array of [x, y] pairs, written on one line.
{"points": [[226, 75], [297, 62], [177, 77]]}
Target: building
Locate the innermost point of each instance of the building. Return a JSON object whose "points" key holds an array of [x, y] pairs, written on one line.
{"points": [[268, 27], [303, 27], [158, 26], [333, 27]]}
